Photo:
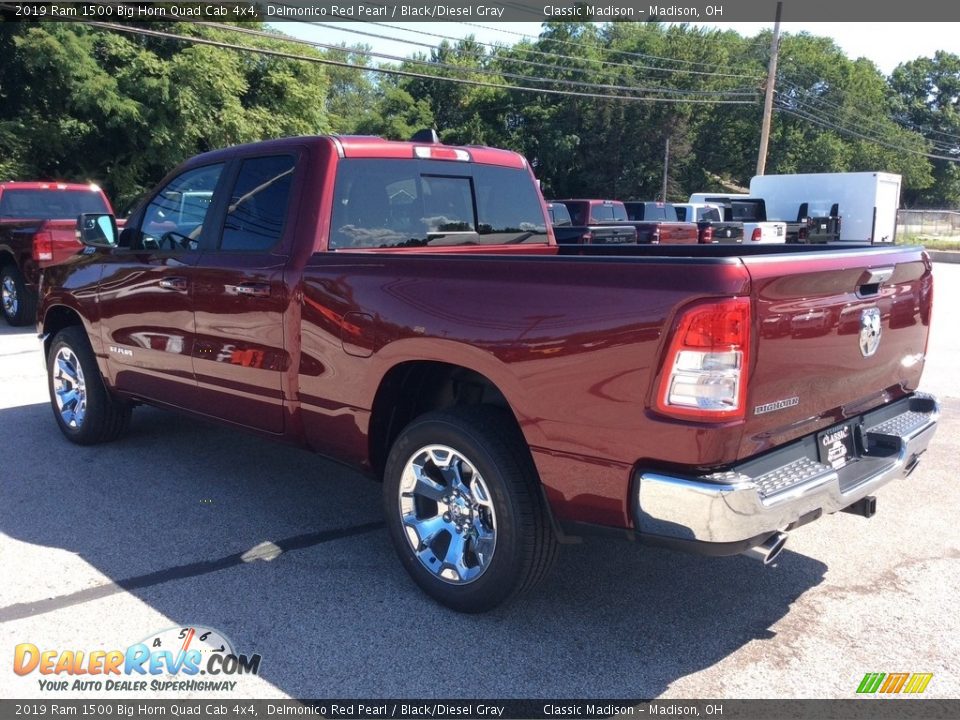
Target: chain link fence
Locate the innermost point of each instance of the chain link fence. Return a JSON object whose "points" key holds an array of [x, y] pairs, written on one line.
{"points": [[928, 223]]}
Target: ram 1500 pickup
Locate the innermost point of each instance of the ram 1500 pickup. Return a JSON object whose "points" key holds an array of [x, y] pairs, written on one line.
{"points": [[657, 222], [566, 232], [710, 224], [38, 227], [403, 308]]}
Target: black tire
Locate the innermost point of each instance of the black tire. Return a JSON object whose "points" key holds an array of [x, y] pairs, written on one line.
{"points": [[105, 417], [525, 545], [20, 308]]}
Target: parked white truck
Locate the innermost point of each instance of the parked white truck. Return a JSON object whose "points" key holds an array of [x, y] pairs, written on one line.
{"points": [[867, 201], [748, 210]]}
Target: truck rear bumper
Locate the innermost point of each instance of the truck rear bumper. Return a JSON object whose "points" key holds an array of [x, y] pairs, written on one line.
{"points": [[729, 511]]}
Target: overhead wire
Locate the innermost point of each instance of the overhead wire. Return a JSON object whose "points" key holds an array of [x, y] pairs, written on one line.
{"points": [[481, 71], [390, 70]]}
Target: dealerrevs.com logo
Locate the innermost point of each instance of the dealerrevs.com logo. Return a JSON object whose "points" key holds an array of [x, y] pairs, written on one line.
{"points": [[894, 683], [190, 659]]}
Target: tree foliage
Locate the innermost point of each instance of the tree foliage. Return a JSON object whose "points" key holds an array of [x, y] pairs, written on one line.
{"points": [[82, 104]]}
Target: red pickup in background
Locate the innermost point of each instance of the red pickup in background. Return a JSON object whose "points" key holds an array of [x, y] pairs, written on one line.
{"points": [[38, 228]]}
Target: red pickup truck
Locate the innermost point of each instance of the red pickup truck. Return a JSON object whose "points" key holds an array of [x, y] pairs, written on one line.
{"points": [[657, 222], [38, 226], [403, 307]]}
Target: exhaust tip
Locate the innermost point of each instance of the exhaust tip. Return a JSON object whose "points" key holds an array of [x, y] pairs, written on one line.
{"points": [[767, 551]]}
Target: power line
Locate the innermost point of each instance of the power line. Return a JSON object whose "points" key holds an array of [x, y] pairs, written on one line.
{"points": [[480, 71], [824, 123], [388, 71], [517, 48], [879, 129], [866, 112], [646, 56]]}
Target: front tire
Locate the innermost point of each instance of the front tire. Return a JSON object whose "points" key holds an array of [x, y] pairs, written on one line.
{"points": [[85, 411], [19, 306], [464, 508]]}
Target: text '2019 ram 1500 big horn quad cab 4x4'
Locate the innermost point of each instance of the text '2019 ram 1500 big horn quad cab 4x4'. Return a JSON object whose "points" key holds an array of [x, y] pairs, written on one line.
{"points": [[403, 307]]}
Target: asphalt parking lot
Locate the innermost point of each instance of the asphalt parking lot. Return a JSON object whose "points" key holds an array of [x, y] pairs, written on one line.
{"points": [[102, 547]]}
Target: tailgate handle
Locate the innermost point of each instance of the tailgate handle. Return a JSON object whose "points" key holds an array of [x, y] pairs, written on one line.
{"points": [[871, 280]]}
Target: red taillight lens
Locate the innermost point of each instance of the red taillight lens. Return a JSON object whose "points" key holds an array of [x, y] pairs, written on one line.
{"points": [[756, 236], [705, 371], [42, 246], [707, 235]]}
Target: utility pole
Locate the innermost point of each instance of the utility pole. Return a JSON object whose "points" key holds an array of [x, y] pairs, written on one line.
{"points": [[666, 169], [768, 100]]}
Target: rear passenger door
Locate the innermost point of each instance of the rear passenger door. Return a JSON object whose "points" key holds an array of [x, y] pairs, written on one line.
{"points": [[240, 296]]}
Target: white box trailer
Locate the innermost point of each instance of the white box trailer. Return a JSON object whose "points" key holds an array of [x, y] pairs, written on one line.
{"points": [[868, 201]]}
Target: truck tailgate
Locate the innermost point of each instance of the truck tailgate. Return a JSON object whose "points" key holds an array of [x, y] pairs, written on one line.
{"points": [[837, 334]]}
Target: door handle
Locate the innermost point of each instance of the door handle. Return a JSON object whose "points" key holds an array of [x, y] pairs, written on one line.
{"points": [[174, 283], [250, 289]]}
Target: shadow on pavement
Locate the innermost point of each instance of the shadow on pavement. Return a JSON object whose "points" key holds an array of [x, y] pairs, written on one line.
{"points": [[168, 512]]}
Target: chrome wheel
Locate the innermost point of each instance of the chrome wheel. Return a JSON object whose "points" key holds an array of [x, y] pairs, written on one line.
{"points": [[69, 389], [8, 294], [447, 514]]}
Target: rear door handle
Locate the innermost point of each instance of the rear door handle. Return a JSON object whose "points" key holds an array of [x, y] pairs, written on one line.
{"points": [[250, 289], [174, 283]]}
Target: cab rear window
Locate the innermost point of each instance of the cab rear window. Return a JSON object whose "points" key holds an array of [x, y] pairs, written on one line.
{"points": [[420, 203], [52, 204]]}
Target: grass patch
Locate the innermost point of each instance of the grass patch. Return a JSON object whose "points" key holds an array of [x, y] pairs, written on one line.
{"points": [[929, 242]]}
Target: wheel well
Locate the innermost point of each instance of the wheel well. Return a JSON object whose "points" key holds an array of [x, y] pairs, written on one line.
{"points": [[413, 388], [6, 258], [56, 319]]}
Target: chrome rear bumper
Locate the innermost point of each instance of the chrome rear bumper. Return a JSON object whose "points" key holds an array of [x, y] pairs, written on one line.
{"points": [[788, 487]]}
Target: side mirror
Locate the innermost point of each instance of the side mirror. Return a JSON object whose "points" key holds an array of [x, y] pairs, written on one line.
{"points": [[97, 230]]}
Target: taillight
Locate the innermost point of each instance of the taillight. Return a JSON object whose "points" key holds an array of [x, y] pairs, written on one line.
{"points": [[42, 246], [705, 370], [586, 238], [707, 235], [655, 237], [756, 236], [802, 233]]}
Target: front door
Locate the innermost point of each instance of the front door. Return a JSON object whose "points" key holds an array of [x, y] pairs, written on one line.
{"points": [[146, 291]]}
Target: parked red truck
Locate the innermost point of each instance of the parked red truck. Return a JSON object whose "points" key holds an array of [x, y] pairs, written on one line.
{"points": [[403, 308], [657, 222], [38, 223]]}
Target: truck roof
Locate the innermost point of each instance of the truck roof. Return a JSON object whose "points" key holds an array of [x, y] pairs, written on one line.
{"points": [[51, 185], [370, 146]]}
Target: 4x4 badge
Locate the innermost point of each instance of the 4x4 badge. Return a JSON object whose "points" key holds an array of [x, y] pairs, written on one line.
{"points": [[870, 330]]}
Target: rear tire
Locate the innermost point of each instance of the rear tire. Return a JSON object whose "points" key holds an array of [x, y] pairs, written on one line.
{"points": [[86, 412], [464, 508], [19, 306]]}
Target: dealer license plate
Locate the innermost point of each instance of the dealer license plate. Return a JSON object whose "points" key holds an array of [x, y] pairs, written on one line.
{"points": [[836, 447]]}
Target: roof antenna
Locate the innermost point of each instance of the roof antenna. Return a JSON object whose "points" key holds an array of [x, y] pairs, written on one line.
{"points": [[427, 135]]}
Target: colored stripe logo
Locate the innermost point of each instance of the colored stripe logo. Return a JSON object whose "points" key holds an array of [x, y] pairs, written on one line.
{"points": [[884, 683]]}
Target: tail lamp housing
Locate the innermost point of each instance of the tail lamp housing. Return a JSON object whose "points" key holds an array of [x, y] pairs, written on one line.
{"points": [[42, 246], [705, 370], [756, 235]]}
